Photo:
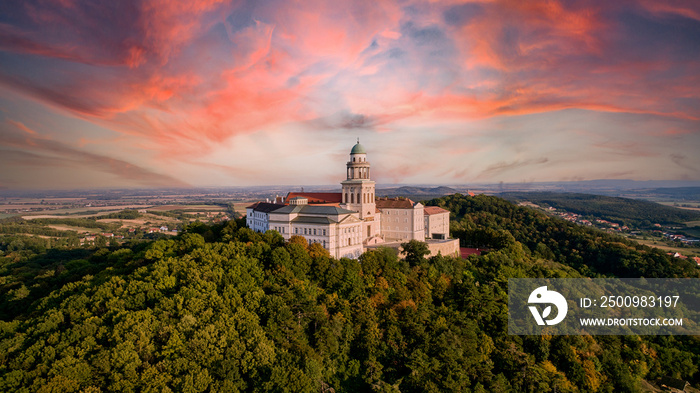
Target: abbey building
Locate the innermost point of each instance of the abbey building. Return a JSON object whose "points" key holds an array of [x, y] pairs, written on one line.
{"points": [[348, 222]]}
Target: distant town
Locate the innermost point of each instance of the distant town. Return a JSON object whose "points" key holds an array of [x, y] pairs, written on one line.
{"points": [[667, 235]]}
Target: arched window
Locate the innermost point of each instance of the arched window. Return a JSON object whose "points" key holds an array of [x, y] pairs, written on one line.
{"points": [[352, 198]]}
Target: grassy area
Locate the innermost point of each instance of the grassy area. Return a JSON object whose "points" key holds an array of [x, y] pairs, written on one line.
{"points": [[72, 228], [694, 231]]}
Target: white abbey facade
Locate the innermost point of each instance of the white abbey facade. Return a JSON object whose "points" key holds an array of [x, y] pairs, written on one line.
{"points": [[346, 223]]}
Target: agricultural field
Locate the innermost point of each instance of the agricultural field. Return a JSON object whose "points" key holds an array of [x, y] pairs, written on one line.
{"points": [[95, 217], [239, 207], [685, 205], [85, 211], [663, 246]]}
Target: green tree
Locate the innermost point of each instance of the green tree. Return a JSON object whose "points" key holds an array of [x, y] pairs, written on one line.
{"points": [[415, 251]]}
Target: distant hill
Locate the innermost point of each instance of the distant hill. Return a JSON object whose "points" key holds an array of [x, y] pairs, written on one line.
{"points": [[418, 193], [621, 210], [681, 193]]}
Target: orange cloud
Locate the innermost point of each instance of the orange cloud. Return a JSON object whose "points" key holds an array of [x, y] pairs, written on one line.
{"points": [[35, 150]]}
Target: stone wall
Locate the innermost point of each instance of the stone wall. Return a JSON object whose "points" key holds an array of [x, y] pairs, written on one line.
{"points": [[445, 247]]}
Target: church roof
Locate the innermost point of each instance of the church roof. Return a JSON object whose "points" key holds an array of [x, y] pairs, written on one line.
{"points": [[334, 210], [313, 220], [317, 197], [264, 207], [430, 210], [358, 149], [313, 210]]}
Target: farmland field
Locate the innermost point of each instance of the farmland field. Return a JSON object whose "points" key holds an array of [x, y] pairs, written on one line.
{"points": [[188, 208]]}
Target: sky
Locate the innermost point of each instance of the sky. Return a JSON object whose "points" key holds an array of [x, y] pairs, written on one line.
{"points": [[161, 93]]}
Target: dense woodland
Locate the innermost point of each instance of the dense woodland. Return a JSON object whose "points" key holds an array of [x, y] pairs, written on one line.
{"points": [[221, 308], [633, 212]]}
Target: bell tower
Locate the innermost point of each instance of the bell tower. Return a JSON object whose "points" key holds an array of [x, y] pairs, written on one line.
{"points": [[358, 189]]}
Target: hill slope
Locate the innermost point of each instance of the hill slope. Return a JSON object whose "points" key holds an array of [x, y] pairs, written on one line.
{"points": [[621, 210]]}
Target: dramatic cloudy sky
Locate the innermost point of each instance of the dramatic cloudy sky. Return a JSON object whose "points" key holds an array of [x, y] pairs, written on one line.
{"points": [[207, 93]]}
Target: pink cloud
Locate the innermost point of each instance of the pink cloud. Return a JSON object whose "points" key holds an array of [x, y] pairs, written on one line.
{"points": [[183, 79]]}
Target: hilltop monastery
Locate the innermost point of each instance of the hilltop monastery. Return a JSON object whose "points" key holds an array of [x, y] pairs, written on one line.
{"points": [[348, 222]]}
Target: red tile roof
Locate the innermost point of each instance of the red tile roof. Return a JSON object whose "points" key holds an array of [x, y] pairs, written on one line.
{"points": [[466, 252], [317, 197], [394, 203], [429, 210]]}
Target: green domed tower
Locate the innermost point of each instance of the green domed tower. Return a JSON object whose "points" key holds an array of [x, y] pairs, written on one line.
{"points": [[358, 189]]}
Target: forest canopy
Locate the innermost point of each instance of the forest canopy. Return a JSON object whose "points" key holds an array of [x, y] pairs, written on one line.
{"points": [[224, 309]]}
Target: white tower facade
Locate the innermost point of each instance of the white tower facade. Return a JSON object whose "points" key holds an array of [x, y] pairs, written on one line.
{"points": [[358, 192]]}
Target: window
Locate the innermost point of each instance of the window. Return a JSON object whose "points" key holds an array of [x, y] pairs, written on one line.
{"points": [[324, 234], [314, 231], [296, 230]]}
